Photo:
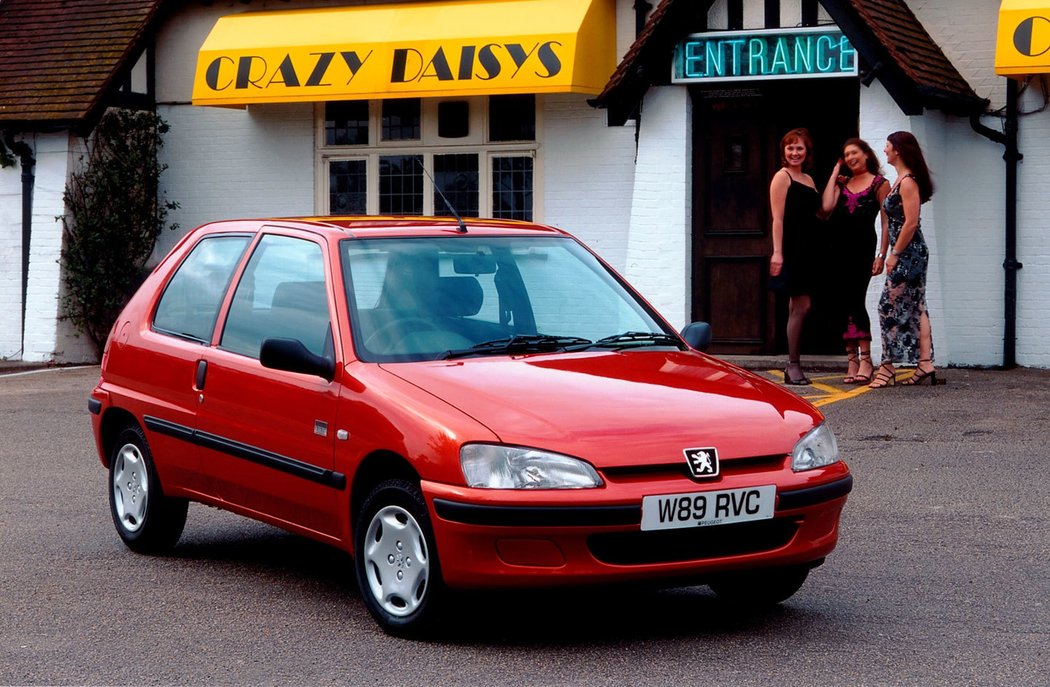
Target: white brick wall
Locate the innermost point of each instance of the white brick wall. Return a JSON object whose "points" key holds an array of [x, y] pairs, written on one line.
{"points": [[971, 197], [11, 262], [588, 175], [225, 163], [1033, 236], [47, 337], [659, 245]]}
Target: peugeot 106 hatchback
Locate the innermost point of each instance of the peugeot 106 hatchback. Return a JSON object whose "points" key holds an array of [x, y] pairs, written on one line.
{"points": [[457, 405]]}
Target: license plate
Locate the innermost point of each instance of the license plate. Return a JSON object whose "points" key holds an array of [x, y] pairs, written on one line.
{"points": [[707, 508]]}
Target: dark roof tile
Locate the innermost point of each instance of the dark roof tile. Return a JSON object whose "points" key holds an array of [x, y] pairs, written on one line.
{"points": [[59, 58]]}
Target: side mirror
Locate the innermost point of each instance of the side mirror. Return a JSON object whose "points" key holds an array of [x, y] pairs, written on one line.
{"points": [[697, 335], [291, 355]]}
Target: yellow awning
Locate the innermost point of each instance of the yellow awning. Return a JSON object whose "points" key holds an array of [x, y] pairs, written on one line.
{"points": [[1022, 44], [449, 48]]}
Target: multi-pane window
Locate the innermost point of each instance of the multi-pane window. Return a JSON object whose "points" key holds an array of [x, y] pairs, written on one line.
{"points": [[512, 117], [346, 123], [401, 119], [456, 177], [394, 156], [401, 185], [348, 187], [512, 187]]}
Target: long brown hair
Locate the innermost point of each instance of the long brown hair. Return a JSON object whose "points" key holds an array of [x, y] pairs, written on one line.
{"points": [[908, 149], [872, 162], [802, 136]]}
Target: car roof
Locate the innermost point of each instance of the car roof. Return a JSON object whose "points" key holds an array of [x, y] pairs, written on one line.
{"points": [[390, 226]]}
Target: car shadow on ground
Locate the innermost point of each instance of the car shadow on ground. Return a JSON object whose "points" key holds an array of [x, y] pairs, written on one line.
{"points": [[567, 616]]}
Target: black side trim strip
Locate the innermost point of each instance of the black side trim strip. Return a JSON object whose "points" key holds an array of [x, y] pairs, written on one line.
{"points": [[291, 466], [94, 406], [537, 516], [800, 498], [155, 424]]}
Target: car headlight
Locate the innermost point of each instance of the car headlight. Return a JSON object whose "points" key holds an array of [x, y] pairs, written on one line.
{"points": [[492, 466], [815, 450]]}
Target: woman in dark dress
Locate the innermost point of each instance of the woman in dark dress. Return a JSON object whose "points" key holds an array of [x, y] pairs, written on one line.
{"points": [[794, 202], [853, 201], [906, 333]]}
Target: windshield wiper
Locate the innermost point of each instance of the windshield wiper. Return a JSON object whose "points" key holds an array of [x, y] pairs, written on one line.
{"points": [[519, 343], [632, 340]]}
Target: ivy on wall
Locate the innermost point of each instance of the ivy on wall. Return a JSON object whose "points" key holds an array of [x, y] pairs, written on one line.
{"points": [[113, 219]]}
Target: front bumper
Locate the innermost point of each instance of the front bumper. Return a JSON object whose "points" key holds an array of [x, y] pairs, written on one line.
{"points": [[521, 541]]}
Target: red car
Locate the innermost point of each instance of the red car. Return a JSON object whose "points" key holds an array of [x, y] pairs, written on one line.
{"points": [[458, 405]]}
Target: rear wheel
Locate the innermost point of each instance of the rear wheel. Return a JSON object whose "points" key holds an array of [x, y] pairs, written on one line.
{"points": [[146, 519], [757, 588], [395, 558]]}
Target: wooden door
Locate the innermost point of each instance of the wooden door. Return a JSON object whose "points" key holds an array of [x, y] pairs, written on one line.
{"points": [[736, 137], [732, 156]]}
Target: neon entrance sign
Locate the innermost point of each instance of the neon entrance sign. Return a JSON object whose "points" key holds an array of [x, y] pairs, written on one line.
{"points": [[773, 54]]}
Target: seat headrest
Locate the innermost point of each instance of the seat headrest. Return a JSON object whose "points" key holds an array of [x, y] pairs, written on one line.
{"points": [[300, 295], [456, 297]]}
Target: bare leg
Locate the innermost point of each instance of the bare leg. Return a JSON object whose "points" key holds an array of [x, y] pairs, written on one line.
{"points": [[851, 364], [865, 370], [925, 344]]}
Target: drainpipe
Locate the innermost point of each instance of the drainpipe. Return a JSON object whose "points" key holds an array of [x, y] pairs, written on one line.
{"points": [[1012, 156], [25, 156]]}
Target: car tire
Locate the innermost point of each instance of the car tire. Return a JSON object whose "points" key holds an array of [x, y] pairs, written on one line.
{"points": [[146, 519], [395, 558], [759, 588]]}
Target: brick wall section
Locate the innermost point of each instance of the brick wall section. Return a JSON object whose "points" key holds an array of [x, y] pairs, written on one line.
{"points": [[11, 259], [971, 196], [659, 246], [46, 336], [225, 163], [588, 175]]}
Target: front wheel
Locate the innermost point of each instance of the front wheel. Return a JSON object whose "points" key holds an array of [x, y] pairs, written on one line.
{"points": [[759, 588], [395, 558], [146, 519]]}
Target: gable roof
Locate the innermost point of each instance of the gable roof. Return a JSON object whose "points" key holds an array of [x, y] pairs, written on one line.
{"points": [[59, 59], [886, 33]]}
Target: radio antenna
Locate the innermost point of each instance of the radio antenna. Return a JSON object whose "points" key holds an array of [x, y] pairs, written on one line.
{"points": [[459, 220]]}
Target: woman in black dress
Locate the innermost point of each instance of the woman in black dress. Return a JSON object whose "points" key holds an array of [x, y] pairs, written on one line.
{"points": [[853, 201], [794, 202]]}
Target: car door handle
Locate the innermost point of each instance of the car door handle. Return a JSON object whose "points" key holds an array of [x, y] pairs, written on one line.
{"points": [[202, 373]]}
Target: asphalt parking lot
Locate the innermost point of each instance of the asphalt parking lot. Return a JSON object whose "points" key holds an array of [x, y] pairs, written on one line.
{"points": [[941, 577]]}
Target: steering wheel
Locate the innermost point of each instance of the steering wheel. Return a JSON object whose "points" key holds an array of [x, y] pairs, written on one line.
{"points": [[386, 338]]}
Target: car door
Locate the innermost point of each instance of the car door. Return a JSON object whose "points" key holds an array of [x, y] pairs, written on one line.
{"points": [[267, 436], [168, 354]]}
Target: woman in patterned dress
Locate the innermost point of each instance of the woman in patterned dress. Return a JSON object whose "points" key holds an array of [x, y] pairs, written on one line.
{"points": [[906, 334], [853, 201], [794, 203]]}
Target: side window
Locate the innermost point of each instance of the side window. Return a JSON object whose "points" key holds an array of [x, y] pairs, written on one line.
{"points": [[192, 298], [282, 294]]}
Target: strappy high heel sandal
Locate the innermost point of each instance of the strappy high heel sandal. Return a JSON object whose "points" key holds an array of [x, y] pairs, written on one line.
{"points": [[851, 364], [886, 376], [795, 381], [864, 379], [921, 375]]}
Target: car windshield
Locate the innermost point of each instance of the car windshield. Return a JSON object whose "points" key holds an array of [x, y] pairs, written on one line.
{"points": [[417, 299]]}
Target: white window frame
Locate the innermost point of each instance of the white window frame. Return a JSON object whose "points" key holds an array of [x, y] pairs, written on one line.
{"points": [[429, 145]]}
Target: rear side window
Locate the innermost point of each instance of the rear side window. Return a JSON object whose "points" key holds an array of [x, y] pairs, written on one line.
{"points": [[192, 298], [281, 295]]}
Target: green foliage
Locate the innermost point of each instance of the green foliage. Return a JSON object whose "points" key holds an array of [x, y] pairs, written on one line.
{"points": [[114, 217], [6, 158]]}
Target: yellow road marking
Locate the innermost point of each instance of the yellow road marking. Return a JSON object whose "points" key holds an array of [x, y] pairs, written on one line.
{"points": [[828, 392]]}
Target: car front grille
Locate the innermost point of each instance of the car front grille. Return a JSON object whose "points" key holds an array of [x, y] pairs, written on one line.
{"points": [[695, 543], [657, 471]]}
